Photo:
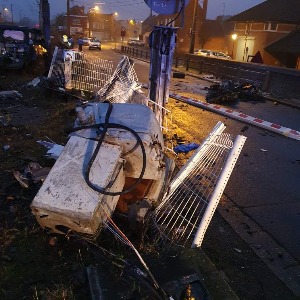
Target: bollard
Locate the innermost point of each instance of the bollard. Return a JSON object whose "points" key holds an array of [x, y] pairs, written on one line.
{"points": [[201, 67], [187, 64]]}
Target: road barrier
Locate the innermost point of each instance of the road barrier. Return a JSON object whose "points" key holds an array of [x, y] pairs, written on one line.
{"points": [[288, 132]]}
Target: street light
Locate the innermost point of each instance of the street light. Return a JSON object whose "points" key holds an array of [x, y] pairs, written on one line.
{"points": [[234, 37], [6, 12], [115, 28]]}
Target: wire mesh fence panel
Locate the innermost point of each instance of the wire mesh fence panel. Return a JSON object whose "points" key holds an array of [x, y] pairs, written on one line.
{"points": [[90, 75], [178, 218], [81, 73]]}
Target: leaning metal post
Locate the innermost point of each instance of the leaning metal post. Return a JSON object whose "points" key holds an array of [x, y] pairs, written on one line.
{"points": [[162, 43]]}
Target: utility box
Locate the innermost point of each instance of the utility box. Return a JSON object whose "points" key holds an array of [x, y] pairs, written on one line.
{"points": [[65, 199]]}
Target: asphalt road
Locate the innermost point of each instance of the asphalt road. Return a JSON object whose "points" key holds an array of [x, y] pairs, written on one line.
{"points": [[262, 198]]}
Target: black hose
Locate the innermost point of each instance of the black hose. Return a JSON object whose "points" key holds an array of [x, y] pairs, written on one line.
{"points": [[105, 127]]}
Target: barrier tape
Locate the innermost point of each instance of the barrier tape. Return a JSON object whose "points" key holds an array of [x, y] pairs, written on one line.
{"points": [[288, 132]]}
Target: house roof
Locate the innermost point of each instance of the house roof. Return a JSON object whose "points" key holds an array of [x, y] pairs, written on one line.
{"points": [[217, 28], [77, 10], [290, 44], [284, 11]]}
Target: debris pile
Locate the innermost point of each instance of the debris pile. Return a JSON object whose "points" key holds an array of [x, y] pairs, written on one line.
{"points": [[228, 91]]}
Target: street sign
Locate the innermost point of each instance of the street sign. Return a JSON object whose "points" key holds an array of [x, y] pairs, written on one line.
{"points": [[123, 31], [166, 7]]}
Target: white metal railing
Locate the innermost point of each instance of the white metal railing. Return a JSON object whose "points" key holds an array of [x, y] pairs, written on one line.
{"points": [[186, 210]]}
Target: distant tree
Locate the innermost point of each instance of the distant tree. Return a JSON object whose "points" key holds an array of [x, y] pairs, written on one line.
{"points": [[25, 21], [59, 20]]}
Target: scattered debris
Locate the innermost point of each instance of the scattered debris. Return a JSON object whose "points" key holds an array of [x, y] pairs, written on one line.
{"points": [[178, 75], [185, 148], [54, 149], [10, 95], [33, 173], [187, 287], [185, 212], [263, 150], [208, 77], [6, 147], [229, 91], [238, 250], [23, 180], [34, 82], [53, 241], [95, 287]]}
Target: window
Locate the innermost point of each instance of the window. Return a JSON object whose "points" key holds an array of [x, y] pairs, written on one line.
{"points": [[271, 26], [14, 35], [96, 25]]}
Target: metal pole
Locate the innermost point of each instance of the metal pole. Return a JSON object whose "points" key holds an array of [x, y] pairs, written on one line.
{"points": [[68, 18], [12, 15], [162, 46], [219, 189], [192, 44]]}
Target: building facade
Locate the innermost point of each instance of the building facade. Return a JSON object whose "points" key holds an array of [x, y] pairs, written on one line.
{"points": [[102, 26], [262, 27]]}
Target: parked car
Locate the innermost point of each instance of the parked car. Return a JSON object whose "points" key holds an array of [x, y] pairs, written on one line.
{"points": [[86, 41], [202, 52], [135, 42], [210, 53], [221, 55], [94, 44]]}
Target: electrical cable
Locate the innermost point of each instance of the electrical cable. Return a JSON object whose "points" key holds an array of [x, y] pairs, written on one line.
{"points": [[105, 127], [178, 14]]}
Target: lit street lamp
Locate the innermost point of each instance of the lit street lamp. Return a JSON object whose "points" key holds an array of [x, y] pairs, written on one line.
{"points": [[6, 13], [234, 37]]}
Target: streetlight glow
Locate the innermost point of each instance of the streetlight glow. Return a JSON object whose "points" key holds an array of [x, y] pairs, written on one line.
{"points": [[234, 37]]}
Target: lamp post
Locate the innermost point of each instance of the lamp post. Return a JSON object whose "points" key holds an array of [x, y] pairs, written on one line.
{"points": [[115, 28], [5, 10], [193, 29], [234, 37]]}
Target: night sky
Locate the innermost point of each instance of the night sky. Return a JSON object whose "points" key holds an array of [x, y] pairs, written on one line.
{"points": [[129, 9]]}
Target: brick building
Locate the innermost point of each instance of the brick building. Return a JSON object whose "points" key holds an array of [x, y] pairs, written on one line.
{"points": [[78, 21], [101, 26], [272, 28]]}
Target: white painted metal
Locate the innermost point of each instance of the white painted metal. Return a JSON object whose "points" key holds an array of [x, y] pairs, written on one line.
{"points": [[141, 119], [219, 189], [81, 74], [179, 215], [66, 200], [52, 62]]}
